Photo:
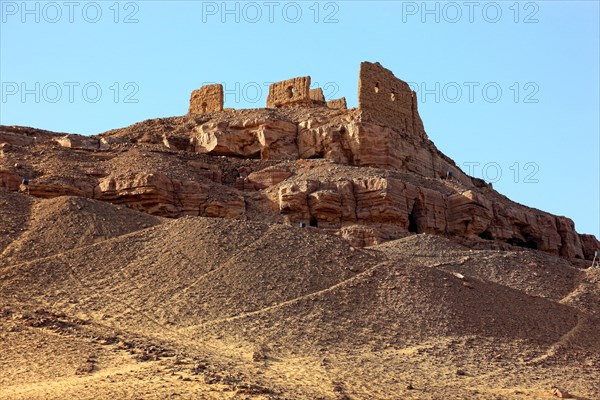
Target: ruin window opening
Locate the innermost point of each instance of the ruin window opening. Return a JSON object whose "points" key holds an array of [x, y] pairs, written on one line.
{"points": [[393, 96], [376, 88], [314, 222], [290, 91], [204, 107]]}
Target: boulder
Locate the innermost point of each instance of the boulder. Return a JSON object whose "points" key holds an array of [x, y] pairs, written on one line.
{"points": [[259, 138], [10, 180]]}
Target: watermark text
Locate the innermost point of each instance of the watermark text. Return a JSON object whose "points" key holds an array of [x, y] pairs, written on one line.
{"points": [[68, 92], [53, 12]]}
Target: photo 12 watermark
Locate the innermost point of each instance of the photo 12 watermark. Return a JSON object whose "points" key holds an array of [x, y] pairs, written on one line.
{"points": [[454, 12], [472, 92], [69, 92], [54, 12], [257, 92], [493, 172], [253, 12]]}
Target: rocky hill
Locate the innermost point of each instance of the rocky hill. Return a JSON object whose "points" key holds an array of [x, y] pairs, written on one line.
{"points": [[305, 162], [166, 259]]}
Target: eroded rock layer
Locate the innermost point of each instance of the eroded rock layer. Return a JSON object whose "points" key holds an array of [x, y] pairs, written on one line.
{"points": [[366, 182]]}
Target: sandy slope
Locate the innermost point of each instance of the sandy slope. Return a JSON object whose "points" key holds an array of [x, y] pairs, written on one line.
{"points": [[99, 301]]}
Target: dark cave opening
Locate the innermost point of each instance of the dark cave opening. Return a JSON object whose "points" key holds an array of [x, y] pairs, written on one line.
{"points": [[412, 221]]}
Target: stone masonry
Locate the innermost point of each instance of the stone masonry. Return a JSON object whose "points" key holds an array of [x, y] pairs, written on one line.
{"points": [[339, 104], [295, 91], [208, 98], [317, 96], [387, 100]]}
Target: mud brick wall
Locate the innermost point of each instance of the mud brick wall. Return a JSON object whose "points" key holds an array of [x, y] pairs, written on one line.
{"points": [[387, 100], [339, 104], [295, 91], [317, 95], [208, 98]]}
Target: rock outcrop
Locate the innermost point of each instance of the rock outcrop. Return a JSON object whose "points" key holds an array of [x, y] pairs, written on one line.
{"points": [[344, 139], [78, 142], [9, 180], [266, 138], [392, 207], [157, 194]]}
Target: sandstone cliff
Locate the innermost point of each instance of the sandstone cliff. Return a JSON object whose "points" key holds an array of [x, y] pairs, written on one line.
{"points": [[369, 174]]}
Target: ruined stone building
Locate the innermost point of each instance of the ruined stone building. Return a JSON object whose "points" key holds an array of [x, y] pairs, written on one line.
{"points": [[382, 98], [208, 98], [387, 100], [291, 92]]}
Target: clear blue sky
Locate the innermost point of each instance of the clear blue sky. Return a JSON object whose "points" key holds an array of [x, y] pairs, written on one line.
{"points": [[147, 56]]}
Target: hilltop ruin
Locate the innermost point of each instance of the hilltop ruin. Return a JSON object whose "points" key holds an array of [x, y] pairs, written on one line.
{"points": [[382, 98], [369, 174], [207, 99]]}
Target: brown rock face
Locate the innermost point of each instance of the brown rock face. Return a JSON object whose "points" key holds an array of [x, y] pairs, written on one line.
{"points": [[295, 91], [157, 194], [49, 187], [268, 177], [589, 245], [341, 202], [570, 243], [15, 139], [385, 147], [263, 138], [342, 138], [9, 180], [392, 207], [208, 98], [470, 214], [24, 136]]}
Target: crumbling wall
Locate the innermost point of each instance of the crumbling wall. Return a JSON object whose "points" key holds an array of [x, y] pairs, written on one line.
{"points": [[339, 104], [317, 96], [387, 100], [295, 91], [208, 98]]}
